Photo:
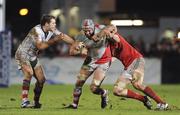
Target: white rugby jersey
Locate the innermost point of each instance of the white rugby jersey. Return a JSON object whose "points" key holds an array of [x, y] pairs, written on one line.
{"points": [[28, 46], [95, 49]]}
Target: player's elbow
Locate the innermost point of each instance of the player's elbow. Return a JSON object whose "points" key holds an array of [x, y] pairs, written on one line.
{"points": [[118, 91], [42, 46]]}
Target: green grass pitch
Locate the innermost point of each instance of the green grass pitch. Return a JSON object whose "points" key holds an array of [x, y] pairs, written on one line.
{"points": [[54, 97]]}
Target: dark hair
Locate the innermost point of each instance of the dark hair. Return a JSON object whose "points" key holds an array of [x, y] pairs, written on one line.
{"points": [[46, 19]]}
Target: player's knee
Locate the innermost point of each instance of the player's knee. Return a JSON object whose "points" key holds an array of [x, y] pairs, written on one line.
{"points": [[118, 91], [81, 77], [27, 71], [137, 80], [41, 81], [137, 76], [28, 76], [137, 85], [118, 88], [80, 83], [93, 88], [95, 85]]}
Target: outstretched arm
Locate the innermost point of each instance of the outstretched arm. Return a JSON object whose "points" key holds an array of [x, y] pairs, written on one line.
{"points": [[67, 39], [43, 45]]}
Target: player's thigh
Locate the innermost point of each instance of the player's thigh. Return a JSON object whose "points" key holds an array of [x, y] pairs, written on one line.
{"points": [[39, 73], [84, 73], [100, 73], [98, 77], [26, 68], [138, 77], [138, 73]]}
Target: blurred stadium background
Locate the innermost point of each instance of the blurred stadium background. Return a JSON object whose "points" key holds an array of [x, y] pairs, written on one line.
{"points": [[152, 27]]}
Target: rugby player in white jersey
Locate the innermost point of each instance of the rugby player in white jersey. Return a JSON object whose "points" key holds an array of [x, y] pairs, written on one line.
{"points": [[39, 37], [97, 61]]}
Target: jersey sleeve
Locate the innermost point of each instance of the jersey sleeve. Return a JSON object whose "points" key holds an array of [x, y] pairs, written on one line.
{"points": [[38, 33]]}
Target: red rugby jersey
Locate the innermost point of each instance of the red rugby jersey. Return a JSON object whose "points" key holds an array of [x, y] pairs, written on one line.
{"points": [[124, 51]]}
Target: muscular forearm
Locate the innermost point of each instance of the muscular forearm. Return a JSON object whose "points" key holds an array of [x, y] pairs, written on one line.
{"points": [[67, 39], [44, 45]]}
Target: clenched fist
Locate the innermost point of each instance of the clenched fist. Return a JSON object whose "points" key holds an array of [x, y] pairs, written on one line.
{"points": [[78, 48]]}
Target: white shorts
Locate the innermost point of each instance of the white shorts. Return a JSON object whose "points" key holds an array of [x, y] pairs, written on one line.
{"points": [[92, 65], [137, 64]]}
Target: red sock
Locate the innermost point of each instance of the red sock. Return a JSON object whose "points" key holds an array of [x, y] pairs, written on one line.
{"points": [[25, 89], [148, 91], [134, 95]]}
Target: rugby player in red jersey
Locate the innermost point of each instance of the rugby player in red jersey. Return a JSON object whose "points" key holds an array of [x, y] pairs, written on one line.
{"points": [[133, 73]]}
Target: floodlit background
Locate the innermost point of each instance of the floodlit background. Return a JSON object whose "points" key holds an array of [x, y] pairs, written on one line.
{"points": [[152, 27]]}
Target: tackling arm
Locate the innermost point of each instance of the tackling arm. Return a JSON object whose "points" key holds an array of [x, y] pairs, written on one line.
{"points": [[67, 39], [43, 45], [78, 48], [109, 32]]}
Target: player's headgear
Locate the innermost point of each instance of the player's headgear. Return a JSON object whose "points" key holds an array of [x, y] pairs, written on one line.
{"points": [[88, 24]]}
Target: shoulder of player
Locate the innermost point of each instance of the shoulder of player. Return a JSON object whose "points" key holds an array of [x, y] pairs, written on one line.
{"points": [[37, 33], [98, 26], [34, 31], [38, 29], [80, 36]]}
